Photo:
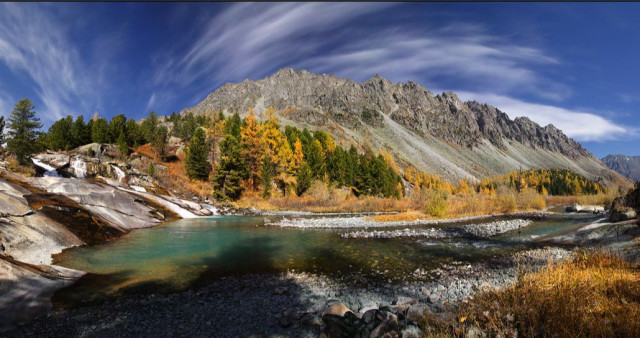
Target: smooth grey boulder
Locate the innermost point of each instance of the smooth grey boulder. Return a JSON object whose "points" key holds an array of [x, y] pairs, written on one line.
{"points": [[575, 207], [123, 210], [622, 215], [55, 160]]}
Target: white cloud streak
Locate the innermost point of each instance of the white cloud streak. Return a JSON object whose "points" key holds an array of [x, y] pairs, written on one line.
{"points": [[577, 124], [35, 44], [248, 39], [150, 103], [251, 40]]}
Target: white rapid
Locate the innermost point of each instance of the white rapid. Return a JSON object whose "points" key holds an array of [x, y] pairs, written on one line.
{"points": [[50, 171], [119, 173], [79, 168]]}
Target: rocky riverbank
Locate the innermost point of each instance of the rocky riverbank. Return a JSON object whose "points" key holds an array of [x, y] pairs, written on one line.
{"points": [[363, 222], [479, 230], [291, 304], [41, 216]]}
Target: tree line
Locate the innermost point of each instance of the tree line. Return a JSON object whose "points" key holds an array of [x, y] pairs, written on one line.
{"points": [[245, 154], [258, 155]]}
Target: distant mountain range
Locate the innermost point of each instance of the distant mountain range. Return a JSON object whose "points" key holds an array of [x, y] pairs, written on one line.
{"points": [[627, 166], [436, 133]]}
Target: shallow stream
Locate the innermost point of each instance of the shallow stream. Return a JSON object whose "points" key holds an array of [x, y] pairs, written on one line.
{"points": [[190, 252]]}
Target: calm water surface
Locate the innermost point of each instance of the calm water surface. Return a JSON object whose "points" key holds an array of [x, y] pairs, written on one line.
{"points": [[188, 253]]}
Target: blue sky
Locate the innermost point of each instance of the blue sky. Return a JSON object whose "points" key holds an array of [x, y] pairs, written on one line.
{"points": [[575, 65]]}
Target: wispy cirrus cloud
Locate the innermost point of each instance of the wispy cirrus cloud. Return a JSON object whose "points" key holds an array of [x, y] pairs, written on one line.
{"points": [[33, 45], [36, 45], [461, 53], [252, 40], [151, 102], [249, 40], [255, 40]]}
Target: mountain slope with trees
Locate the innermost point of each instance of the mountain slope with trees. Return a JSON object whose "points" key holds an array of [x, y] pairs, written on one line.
{"points": [[434, 133]]}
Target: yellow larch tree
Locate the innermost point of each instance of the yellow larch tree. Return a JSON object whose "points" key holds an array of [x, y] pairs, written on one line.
{"points": [[298, 155], [252, 148], [271, 136]]}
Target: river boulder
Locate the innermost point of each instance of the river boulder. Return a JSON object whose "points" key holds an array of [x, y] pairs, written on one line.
{"points": [[55, 160], [622, 215], [626, 207], [575, 207]]}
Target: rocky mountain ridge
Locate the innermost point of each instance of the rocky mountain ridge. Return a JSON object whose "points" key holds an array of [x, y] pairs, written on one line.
{"points": [[436, 133], [627, 166]]}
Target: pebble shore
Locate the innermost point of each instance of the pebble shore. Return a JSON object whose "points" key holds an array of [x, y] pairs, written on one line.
{"points": [[289, 304], [481, 230], [363, 222]]}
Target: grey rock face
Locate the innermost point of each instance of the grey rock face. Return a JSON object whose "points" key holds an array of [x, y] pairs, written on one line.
{"points": [[319, 99], [627, 166], [439, 134]]}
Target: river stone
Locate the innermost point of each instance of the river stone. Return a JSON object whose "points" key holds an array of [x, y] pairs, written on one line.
{"points": [[336, 310], [575, 207], [412, 331], [624, 215], [388, 322], [474, 332], [405, 300], [335, 326], [433, 298], [53, 159], [417, 311]]}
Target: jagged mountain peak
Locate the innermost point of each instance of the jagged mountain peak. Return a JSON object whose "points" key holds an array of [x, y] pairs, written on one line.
{"points": [[377, 109]]}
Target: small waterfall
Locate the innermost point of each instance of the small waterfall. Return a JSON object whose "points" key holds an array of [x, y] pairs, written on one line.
{"points": [[50, 171], [119, 173], [79, 168]]}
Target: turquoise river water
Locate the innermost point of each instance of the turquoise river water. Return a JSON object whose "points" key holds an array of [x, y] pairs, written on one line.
{"points": [[188, 253]]}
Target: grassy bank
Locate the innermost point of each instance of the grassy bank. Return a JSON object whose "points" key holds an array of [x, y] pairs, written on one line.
{"points": [[426, 204], [593, 294]]}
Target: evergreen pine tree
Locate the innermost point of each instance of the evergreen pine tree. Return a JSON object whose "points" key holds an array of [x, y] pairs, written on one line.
{"points": [[267, 171], [60, 135], [123, 148], [149, 126], [196, 164], [80, 133], [23, 134], [304, 178], [316, 159], [227, 181], [100, 131], [116, 126], [232, 125], [188, 127], [133, 133], [160, 141]]}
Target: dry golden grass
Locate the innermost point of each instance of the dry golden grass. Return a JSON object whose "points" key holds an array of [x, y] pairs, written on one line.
{"points": [[407, 216], [604, 199], [15, 166], [174, 178], [591, 295], [417, 207], [336, 202]]}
